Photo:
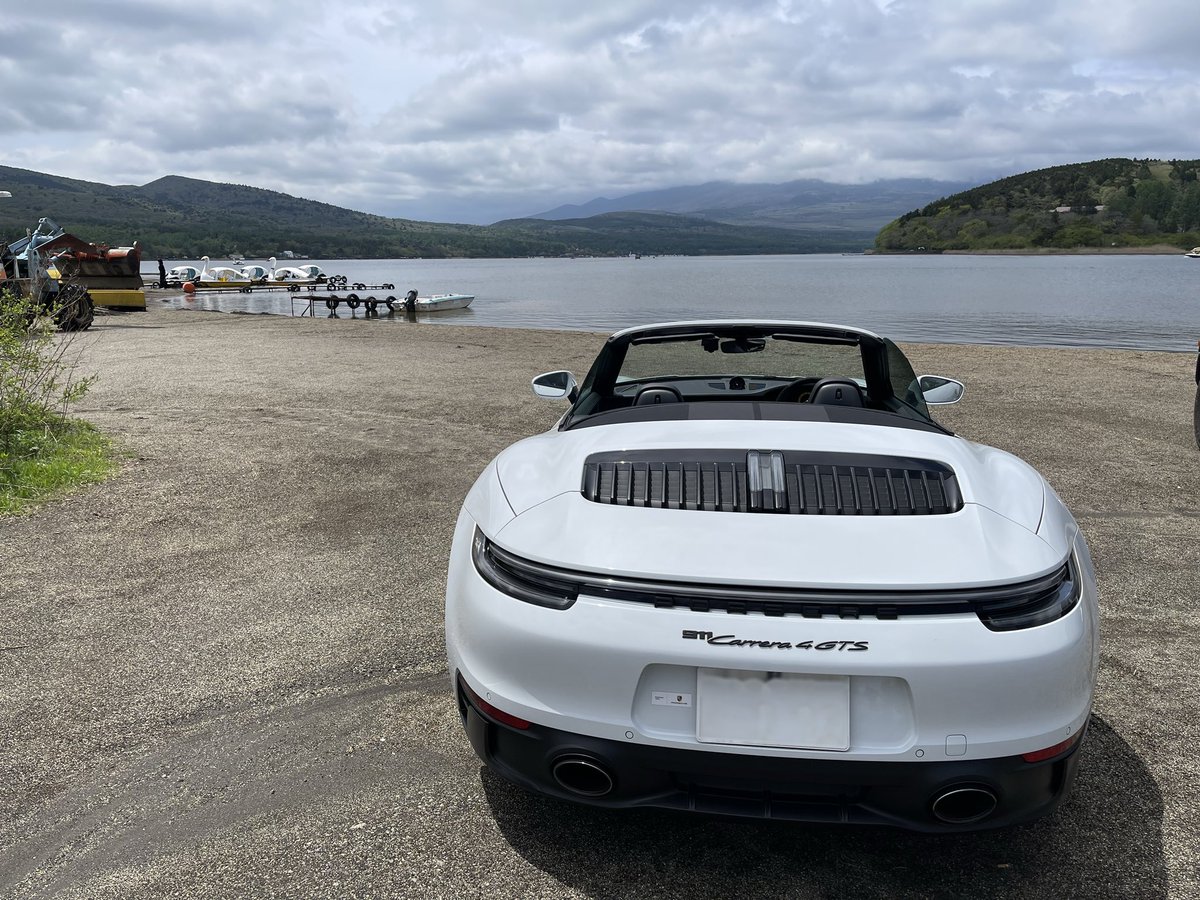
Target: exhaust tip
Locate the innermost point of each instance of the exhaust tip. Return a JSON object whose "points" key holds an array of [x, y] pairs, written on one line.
{"points": [[964, 804], [582, 775]]}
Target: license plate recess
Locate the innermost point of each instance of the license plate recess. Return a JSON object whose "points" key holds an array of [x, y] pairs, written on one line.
{"points": [[773, 709]]}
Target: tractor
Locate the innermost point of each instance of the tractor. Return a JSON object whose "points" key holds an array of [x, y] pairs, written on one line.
{"points": [[28, 272]]}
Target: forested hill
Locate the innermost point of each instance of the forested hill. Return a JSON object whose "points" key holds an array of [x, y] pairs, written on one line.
{"points": [[1108, 203], [185, 218]]}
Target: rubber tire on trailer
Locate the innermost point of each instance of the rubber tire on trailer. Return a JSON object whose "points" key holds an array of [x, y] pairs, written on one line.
{"points": [[371, 304], [331, 303], [390, 302], [331, 286], [294, 288], [359, 286], [389, 287], [352, 301]]}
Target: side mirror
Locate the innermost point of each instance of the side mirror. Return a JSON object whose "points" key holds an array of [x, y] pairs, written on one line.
{"points": [[555, 386], [939, 391]]}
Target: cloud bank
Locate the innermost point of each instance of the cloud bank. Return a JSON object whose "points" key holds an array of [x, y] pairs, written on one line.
{"points": [[472, 111]]}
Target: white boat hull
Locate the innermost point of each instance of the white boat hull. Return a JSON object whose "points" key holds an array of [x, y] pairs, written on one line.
{"points": [[440, 302]]}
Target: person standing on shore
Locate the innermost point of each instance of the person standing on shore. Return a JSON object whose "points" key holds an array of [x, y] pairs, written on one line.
{"points": [[162, 274], [1196, 409]]}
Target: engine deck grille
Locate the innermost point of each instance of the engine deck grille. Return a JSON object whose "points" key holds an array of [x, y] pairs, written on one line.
{"points": [[772, 481]]}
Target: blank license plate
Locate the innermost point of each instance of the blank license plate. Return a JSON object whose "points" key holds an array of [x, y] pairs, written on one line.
{"points": [[773, 709]]}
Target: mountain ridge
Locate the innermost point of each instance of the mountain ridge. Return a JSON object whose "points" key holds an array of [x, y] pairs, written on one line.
{"points": [[184, 218], [800, 204]]}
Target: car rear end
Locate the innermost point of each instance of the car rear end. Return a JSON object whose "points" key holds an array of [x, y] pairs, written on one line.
{"points": [[606, 653]]}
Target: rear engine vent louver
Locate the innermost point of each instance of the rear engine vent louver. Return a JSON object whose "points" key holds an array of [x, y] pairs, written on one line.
{"points": [[772, 481]]}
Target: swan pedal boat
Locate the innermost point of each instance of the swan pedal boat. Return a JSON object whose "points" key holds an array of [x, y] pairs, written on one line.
{"points": [[224, 276], [253, 275], [309, 273]]}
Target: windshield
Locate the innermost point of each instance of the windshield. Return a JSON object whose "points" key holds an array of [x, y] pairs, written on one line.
{"points": [[700, 356], [781, 370]]}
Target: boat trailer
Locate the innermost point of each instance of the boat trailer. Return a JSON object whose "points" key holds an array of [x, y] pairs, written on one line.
{"points": [[353, 300]]}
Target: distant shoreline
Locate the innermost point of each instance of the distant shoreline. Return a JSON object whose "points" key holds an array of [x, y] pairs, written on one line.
{"points": [[1150, 250]]}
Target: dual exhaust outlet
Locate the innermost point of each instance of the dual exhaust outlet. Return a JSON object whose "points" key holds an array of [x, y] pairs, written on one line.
{"points": [[959, 804]]}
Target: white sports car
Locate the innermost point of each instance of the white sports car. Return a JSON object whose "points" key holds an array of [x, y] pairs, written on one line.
{"points": [[746, 573]]}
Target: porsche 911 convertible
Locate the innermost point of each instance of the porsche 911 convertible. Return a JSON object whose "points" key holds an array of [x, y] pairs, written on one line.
{"points": [[747, 573]]}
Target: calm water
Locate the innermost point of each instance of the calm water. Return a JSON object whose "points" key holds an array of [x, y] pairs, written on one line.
{"points": [[1137, 302]]}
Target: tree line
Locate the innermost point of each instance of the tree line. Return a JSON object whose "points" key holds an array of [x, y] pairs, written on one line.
{"points": [[1103, 204]]}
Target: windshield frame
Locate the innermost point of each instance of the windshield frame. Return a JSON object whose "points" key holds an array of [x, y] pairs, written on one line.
{"points": [[601, 386]]}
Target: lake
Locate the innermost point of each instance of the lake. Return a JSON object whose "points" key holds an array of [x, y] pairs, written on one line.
{"points": [[1134, 302]]}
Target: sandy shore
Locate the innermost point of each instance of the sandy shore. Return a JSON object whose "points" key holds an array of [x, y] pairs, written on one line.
{"points": [[222, 673]]}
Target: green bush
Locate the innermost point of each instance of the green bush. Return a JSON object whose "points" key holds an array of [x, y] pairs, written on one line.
{"points": [[37, 384], [42, 450]]}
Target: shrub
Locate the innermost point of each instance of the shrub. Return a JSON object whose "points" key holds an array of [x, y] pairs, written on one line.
{"points": [[42, 450], [37, 383]]}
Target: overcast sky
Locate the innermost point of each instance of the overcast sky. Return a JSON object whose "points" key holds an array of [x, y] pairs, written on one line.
{"points": [[475, 110]]}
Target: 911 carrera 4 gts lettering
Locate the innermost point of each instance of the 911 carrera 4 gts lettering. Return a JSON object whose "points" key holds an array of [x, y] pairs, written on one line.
{"points": [[731, 640]]}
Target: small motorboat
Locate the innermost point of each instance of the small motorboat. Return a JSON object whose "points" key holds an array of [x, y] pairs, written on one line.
{"points": [[441, 302], [1194, 253]]}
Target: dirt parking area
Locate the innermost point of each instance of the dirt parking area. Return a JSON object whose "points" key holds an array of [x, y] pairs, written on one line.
{"points": [[222, 673]]}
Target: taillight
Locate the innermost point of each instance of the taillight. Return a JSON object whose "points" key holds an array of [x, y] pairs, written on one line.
{"points": [[1032, 603], [533, 583]]}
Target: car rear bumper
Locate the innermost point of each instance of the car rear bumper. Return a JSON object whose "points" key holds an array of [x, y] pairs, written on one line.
{"points": [[927, 688], [937, 796]]}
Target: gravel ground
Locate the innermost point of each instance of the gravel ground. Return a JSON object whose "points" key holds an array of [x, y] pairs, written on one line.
{"points": [[222, 672]]}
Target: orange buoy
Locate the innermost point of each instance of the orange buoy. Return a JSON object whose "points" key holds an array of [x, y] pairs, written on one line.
{"points": [[189, 288]]}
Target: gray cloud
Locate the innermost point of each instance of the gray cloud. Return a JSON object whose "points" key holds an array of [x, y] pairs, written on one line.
{"points": [[483, 110]]}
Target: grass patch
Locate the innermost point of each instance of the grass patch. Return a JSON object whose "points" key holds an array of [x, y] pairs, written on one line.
{"points": [[43, 452], [40, 464]]}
